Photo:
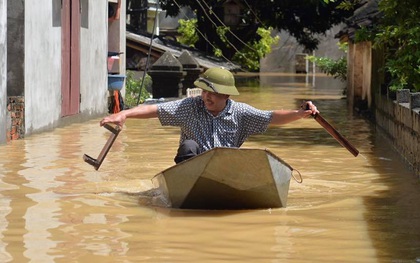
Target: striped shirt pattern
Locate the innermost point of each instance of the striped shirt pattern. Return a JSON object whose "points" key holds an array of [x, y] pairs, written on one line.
{"points": [[228, 129]]}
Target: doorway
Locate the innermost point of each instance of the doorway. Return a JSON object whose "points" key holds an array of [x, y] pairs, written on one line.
{"points": [[70, 62]]}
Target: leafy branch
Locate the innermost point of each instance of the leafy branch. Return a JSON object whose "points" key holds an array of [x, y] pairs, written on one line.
{"points": [[333, 67]]}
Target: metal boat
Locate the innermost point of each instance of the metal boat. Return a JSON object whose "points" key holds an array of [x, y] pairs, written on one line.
{"points": [[226, 178]]}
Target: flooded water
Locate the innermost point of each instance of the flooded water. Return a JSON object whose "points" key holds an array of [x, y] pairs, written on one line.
{"points": [[57, 208]]}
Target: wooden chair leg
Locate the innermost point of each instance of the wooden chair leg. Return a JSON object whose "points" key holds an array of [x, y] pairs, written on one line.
{"points": [[98, 161]]}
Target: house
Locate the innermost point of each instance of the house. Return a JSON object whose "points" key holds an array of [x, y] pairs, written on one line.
{"points": [[53, 62]]}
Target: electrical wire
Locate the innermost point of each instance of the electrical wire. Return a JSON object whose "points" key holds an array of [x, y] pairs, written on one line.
{"points": [[211, 20], [150, 51], [233, 46], [199, 32], [223, 24], [252, 11]]}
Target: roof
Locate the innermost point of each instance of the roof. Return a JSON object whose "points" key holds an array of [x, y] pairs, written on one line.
{"points": [[160, 45], [364, 16]]}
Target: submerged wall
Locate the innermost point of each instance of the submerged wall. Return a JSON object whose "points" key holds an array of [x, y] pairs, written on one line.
{"points": [[400, 119]]}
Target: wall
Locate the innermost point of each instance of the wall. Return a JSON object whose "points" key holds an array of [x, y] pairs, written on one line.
{"points": [[15, 126], [42, 65], [401, 123], [15, 47], [399, 119], [359, 73], [15, 118], [3, 71], [94, 51], [367, 86], [283, 55], [117, 40]]}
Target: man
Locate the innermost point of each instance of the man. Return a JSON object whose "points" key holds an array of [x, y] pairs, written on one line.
{"points": [[212, 119]]}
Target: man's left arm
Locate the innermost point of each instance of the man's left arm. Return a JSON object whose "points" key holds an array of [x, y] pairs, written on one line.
{"points": [[281, 117]]}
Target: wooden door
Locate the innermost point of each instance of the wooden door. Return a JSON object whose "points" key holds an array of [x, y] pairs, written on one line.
{"points": [[70, 62]]}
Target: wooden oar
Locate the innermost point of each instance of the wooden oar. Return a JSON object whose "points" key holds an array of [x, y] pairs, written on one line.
{"points": [[334, 133]]}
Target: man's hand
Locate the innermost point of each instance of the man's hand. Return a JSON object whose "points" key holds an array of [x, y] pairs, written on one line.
{"points": [[117, 118], [309, 108]]}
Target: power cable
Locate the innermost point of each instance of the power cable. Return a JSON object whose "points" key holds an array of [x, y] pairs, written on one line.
{"points": [[252, 11], [233, 34], [150, 51], [198, 30], [211, 20]]}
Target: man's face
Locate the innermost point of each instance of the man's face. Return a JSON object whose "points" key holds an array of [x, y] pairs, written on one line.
{"points": [[214, 102]]}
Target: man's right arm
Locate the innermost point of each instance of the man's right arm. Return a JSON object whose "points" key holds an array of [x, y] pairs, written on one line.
{"points": [[139, 112]]}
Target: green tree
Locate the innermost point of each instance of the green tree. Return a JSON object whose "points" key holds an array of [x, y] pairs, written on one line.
{"points": [[398, 33], [136, 89], [187, 30], [333, 67], [302, 19], [251, 54]]}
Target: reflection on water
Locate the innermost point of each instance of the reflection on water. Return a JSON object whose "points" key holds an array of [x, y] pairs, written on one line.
{"points": [[55, 207]]}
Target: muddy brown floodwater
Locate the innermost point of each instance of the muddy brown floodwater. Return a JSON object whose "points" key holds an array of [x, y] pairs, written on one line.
{"points": [[57, 208]]}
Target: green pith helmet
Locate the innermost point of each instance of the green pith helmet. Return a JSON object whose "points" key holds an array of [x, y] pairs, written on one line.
{"points": [[217, 80]]}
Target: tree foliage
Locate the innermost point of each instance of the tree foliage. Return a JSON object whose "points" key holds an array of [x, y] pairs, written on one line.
{"points": [[136, 89], [302, 19], [251, 55], [334, 67], [187, 30], [398, 33]]}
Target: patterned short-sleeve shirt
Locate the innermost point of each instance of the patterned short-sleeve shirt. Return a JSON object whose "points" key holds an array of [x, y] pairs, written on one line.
{"points": [[230, 128]]}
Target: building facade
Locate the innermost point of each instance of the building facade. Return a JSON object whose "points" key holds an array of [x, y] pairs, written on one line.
{"points": [[55, 61]]}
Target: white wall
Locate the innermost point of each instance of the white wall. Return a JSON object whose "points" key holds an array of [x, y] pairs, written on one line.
{"points": [[3, 71], [42, 67], [43, 64], [117, 41], [94, 51]]}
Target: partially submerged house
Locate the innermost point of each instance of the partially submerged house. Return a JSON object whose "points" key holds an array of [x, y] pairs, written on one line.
{"points": [[398, 116], [53, 62]]}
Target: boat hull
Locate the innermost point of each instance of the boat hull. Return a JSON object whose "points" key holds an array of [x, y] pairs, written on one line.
{"points": [[226, 178]]}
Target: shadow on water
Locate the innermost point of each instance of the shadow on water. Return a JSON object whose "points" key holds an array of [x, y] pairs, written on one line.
{"points": [[396, 209]]}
